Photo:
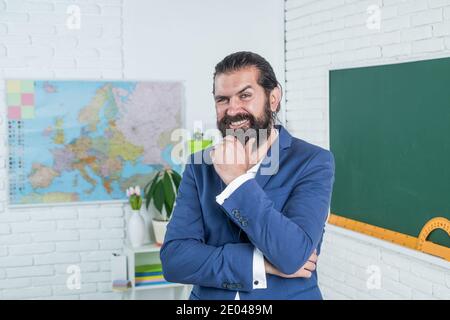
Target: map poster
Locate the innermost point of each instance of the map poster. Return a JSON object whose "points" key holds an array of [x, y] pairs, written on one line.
{"points": [[81, 141]]}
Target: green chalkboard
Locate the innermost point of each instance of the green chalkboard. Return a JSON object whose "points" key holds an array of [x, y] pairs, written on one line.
{"points": [[390, 135]]}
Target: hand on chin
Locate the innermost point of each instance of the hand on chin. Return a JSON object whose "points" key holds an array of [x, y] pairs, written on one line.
{"points": [[230, 158]]}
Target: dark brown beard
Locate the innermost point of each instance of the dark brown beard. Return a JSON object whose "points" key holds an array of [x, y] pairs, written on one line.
{"points": [[256, 124]]}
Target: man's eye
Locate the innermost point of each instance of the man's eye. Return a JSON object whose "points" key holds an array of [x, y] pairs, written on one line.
{"points": [[245, 95]]}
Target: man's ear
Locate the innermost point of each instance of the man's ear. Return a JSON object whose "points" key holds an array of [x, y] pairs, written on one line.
{"points": [[275, 98]]}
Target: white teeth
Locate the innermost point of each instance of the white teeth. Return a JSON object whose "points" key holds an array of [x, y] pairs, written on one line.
{"points": [[238, 123]]}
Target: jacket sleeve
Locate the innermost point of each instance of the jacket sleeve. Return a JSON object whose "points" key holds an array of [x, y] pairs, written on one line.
{"points": [[187, 259], [287, 238]]}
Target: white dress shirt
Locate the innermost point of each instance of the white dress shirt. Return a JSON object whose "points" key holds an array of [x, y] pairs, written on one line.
{"points": [[259, 271]]}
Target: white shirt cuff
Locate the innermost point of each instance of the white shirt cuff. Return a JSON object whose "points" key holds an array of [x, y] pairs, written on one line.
{"points": [[236, 183], [259, 271]]}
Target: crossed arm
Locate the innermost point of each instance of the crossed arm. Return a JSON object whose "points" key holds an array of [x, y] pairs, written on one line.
{"points": [[287, 239]]}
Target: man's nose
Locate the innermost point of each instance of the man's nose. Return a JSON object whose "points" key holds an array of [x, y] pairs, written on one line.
{"points": [[235, 107]]}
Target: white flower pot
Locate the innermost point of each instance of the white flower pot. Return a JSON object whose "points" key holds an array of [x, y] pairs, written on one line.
{"points": [[159, 228], [155, 214], [136, 229], [147, 225]]}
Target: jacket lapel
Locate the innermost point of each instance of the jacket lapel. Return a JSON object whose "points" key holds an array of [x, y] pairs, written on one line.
{"points": [[276, 153]]}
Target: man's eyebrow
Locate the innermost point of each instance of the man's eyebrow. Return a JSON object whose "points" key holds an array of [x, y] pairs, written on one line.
{"points": [[245, 88], [217, 97]]}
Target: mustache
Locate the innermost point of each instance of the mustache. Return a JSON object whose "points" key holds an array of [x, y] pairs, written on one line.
{"points": [[227, 120], [254, 125]]}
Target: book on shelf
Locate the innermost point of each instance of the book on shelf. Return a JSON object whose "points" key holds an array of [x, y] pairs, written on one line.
{"points": [[121, 285], [148, 275]]}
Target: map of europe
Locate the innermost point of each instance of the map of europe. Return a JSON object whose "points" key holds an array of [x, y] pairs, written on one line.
{"points": [[76, 141]]}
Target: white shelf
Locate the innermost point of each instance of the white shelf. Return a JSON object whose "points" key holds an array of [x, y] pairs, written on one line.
{"points": [[151, 247], [159, 286], [151, 253]]}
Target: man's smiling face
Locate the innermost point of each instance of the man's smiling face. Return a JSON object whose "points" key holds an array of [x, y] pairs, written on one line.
{"points": [[241, 103]]}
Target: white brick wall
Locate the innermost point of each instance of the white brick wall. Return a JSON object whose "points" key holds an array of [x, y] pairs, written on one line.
{"points": [[329, 34], [38, 244], [348, 261]]}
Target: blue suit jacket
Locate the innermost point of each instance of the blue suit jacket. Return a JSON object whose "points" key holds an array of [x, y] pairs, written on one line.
{"points": [[283, 215]]}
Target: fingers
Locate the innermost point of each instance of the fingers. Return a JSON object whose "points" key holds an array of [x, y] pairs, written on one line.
{"points": [[313, 258], [229, 142], [218, 151], [301, 273], [305, 274], [306, 271], [249, 148], [310, 266], [225, 140], [229, 138], [231, 151]]}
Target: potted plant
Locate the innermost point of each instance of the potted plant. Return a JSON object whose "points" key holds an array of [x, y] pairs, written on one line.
{"points": [[135, 227], [160, 194]]}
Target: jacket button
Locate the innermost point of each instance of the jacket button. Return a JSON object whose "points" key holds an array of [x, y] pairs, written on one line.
{"points": [[256, 282]]}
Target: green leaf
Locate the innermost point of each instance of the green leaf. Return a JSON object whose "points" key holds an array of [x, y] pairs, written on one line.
{"points": [[147, 202], [168, 192], [150, 194], [148, 185], [158, 198], [176, 179], [168, 207]]}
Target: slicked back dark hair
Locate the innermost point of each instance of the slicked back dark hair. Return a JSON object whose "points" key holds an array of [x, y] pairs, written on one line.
{"points": [[243, 59]]}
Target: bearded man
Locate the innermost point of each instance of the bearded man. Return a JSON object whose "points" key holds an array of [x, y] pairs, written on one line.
{"points": [[249, 219]]}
